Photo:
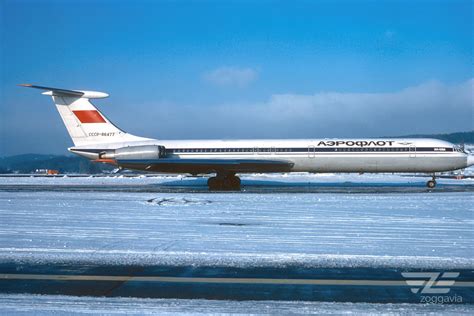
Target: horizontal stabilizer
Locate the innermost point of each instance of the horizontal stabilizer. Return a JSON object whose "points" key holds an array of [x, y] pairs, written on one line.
{"points": [[68, 93]]}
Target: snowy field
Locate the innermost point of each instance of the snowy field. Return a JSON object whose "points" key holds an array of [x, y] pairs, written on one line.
{"points": [[67, 305], [133, 220], [293, 179], [103, 220]]}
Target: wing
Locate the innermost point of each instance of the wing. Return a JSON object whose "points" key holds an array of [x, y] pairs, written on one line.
{"points": [[195, 166]]}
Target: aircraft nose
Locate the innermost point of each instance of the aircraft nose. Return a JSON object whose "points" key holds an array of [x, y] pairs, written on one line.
{"points": [[470, 160]]}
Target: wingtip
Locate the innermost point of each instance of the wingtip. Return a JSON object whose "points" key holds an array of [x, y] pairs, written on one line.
{"points": [[25, 85]]}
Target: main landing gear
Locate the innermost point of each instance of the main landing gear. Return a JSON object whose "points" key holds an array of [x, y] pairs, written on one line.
{"points": [[431, 183], [227, 182]]}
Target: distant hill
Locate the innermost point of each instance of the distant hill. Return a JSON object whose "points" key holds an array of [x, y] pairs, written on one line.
{"points": [[28, 163], [456, 138]]}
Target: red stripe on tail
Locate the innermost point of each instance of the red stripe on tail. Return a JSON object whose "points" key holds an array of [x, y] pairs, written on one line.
{"points": [[89, 116]]}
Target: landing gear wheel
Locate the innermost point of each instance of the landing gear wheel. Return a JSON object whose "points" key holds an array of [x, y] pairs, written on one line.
{"points": [[431, 184], [215, 183], [227, 183], [232, 183]]}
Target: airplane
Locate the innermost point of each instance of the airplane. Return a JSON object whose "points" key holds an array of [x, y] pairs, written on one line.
{"points": [[95, 137]]}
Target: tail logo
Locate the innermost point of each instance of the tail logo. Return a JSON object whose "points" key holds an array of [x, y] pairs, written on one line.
{"points": [[89, 116]]}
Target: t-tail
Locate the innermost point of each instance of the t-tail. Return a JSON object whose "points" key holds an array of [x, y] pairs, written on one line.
{"points": [[86, 125]]}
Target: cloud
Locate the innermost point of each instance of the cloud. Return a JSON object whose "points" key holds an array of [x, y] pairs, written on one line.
{"points": [[231, 76], [431, 107]]}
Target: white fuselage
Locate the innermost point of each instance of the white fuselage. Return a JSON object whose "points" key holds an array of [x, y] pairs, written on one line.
{"points": [[322, 155]]}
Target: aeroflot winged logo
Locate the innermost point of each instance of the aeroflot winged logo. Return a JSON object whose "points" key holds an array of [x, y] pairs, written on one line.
{"points": [[430, 282]]}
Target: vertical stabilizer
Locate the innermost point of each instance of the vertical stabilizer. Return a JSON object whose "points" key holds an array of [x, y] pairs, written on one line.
{"points": [[84, 122]]}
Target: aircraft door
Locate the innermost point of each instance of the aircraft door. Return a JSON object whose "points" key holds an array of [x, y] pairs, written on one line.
{"points": [[412, 151], [311, 151]]}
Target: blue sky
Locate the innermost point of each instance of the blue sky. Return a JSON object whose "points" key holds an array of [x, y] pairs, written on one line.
{"points": [[239, 69]]}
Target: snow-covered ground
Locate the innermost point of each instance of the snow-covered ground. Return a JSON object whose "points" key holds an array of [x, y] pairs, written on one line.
{"points": [[67, 305], [398, 224], [410, 228], [292, 179]]}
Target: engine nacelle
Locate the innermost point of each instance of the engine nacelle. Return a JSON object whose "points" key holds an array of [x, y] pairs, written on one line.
{"points": [[135, 153]]}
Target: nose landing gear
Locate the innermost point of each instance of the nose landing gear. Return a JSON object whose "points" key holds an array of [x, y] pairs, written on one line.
{"points": [[227, 182], [431, 183]]}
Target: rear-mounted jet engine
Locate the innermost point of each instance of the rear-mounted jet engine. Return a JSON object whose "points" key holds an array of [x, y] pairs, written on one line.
{"points": [[145, 152]]}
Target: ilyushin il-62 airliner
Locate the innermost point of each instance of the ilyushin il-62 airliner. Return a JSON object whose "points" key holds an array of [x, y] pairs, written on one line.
{"points": [[96, 138]]}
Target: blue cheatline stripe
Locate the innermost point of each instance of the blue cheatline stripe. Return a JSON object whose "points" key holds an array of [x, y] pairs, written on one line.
{"points": [[308, 149], [398, 150], [167, 279], [305, 153]]}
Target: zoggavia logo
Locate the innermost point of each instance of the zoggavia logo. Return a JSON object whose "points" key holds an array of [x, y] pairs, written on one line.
{"points": [[434, 283], [430, 282]]}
